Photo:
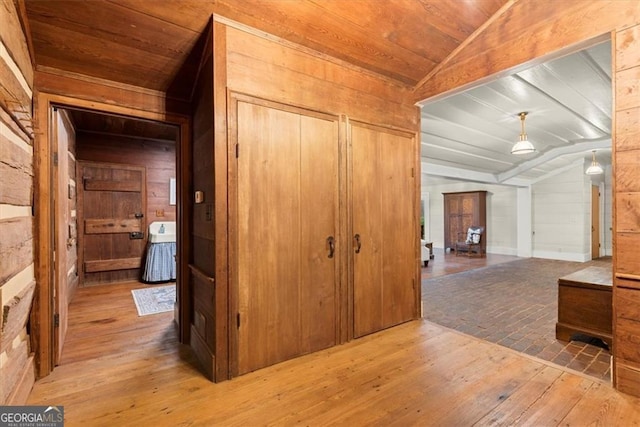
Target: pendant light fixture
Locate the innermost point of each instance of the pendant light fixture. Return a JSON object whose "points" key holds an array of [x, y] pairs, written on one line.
{"points": [[523, 146], [594, 168]]}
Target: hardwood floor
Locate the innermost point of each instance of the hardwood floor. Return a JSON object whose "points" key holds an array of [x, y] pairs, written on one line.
{"points": [[119, 369]]}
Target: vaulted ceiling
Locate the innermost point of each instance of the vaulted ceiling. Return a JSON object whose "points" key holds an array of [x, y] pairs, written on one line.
{"points": [[145, 43]]}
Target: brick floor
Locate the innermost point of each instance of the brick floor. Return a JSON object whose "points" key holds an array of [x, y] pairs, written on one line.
{"points": [[513, 304]]}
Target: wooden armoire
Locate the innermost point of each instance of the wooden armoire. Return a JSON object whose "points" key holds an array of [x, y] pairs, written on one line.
{"points": [[461, 211]]}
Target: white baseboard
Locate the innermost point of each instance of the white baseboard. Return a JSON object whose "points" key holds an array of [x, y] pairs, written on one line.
{"points": [[501, 250], [562, 256]]}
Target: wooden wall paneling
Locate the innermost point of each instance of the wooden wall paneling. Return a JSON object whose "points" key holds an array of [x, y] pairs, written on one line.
{"points": [[16, 246], [17, 282], [16, 168], [626, 157], [627, 129], [203, 334], [103, 95], [15, 42], [628, 88], [269, 70], [222, 210], [12, 370]]}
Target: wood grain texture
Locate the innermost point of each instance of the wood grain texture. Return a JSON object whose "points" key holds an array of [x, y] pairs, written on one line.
{"points": [[24, 383], [627, 48], [384, 282], [15, 313], [143, 44], [627, 131], [266, 69], [626, 164], [13, 370], [139, 101], [158, 157], [204, 336], [526, 32], [16, 168], [14, 40], [627, 212], [627, 89], [119, 367], [16, 246]]}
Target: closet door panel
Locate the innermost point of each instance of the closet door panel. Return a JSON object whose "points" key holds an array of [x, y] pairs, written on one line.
{"points": [[367, 220], [319, 223], [397, 223], [268, 235], [384, 218], [287, 203]]}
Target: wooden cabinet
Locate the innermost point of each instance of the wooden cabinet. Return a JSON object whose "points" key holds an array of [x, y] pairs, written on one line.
{"points": [[461, 211], [584, 304]]}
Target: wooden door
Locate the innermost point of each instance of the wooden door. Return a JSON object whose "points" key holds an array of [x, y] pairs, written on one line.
{"points": [[112, 226], [62, 228], [287, 204], [385, 236], [595, 222]]}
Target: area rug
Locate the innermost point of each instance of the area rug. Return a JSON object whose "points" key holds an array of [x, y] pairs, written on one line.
{"points": [[157, 299]]}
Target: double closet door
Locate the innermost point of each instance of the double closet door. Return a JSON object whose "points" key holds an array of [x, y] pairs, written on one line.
{"points": [[287, 219], [326, 236]]}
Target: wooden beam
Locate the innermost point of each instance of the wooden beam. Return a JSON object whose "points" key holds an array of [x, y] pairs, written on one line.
{"points": [[528, 30]]}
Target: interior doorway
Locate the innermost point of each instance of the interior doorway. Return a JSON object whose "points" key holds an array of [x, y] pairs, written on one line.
{"points": [[109, 171], [595, 222]]}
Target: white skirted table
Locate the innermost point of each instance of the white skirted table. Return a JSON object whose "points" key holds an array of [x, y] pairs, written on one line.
{"points": [[161, 262]]}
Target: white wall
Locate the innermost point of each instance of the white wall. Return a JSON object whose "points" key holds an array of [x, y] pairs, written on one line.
{"points": [[501, 212], [562, 216]]}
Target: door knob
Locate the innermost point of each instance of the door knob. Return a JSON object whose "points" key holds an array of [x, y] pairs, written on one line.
{"points": [[357, 243]]}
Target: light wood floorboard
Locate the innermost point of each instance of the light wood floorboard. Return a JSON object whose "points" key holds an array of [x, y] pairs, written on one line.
{"points": [[119, 369]]}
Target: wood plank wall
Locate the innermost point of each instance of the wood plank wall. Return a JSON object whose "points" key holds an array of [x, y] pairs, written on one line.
{"points": [[266, 67], [17, 282], [158, 157], [626, 158]]}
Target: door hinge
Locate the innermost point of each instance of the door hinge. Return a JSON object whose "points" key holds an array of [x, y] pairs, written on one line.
{"points": [[56, 320], [238, 319], [55, 159], [413, 172], [237, 150]]}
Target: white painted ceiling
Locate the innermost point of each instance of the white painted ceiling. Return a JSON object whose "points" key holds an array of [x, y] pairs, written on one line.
{"points": [[569, 99]]}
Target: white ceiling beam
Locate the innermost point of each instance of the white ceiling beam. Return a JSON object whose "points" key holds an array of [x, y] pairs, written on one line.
{"points": [[552, 154], [469, 175]]}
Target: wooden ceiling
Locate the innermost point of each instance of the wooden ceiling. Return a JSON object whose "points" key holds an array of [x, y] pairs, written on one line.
{"points": [[144, 42], [108, 124]]}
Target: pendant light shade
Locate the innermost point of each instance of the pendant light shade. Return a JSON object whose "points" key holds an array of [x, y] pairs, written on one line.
{"points": [[594, 168], [523, 146]]}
